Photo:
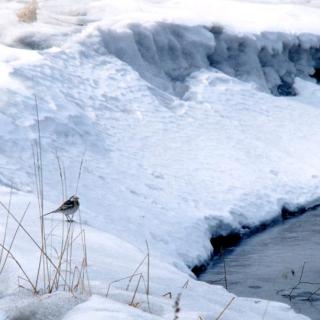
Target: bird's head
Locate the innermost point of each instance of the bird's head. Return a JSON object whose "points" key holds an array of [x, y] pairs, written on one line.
{"points": [[74, 198]]}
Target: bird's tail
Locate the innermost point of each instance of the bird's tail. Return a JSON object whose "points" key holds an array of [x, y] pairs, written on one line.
{"points": [[54, 211]]}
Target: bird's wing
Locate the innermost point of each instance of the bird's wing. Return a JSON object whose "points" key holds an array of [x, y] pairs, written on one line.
{"points": [[66, 205]]}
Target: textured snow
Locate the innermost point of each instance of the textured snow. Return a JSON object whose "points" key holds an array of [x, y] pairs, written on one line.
{"points": [[24, 305], [111, 258], [166, 54], [180, 139], [57, 21], [98, 308]]}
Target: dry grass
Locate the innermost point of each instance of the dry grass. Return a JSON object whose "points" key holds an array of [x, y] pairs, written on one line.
{"points": [[29, 13], [300, 283], [225, 308], [56, 268], [176, 307], [142, 278]]}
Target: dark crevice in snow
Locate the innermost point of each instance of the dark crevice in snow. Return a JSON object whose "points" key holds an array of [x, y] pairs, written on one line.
{"points": [[36, 41], [166, 54], [316, 75], [222, 240]]}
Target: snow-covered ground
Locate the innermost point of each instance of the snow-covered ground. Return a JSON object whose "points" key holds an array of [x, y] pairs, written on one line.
{"points": [[175, 149]]}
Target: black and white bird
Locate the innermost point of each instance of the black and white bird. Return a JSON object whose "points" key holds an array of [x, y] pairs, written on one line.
{"points": [[68, 208]]}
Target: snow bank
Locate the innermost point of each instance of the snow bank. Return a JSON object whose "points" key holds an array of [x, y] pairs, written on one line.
{"points": [[168, 53], [111, 258], [26, 306], [98, 308], [57, 21]]}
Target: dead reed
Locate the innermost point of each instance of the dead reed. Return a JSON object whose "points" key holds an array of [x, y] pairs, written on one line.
{"points": [[57, 268]]}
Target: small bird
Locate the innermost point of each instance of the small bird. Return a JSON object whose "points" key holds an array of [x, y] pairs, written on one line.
{"points": [[68, 208]]}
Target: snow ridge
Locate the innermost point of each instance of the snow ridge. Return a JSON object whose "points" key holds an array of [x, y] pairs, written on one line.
{"points": [[165, 54]]}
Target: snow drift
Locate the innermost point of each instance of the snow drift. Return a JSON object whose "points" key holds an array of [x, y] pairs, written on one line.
{"points": [[166, 54]]}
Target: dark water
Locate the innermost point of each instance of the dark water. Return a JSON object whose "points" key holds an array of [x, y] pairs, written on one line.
{"points": [[269, 265]]}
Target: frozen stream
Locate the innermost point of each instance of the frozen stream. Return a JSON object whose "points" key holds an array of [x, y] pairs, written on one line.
{"points": [[269, 265]]}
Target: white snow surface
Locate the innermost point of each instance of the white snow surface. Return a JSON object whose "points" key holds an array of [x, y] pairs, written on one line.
{"points": [[59, 20], [169, 168]]}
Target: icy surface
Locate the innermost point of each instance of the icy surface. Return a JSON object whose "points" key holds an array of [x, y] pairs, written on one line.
{"points": [[272, 272], [176, 146]]}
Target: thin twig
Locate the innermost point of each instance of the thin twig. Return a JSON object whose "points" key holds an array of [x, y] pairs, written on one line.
{"points": [[119, 280], [58, 268], [6, 225], [177, 307], [40, 193], [224, 269], [148, 268], [225, 308], [14, 237], [20, 267], [135, 271], [86, 260], [80, 171], [61, 177], [299, 282], [313, 293], [28, 234], [135, 291]]}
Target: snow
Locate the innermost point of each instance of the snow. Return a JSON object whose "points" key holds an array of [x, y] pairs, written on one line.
{"points": [[165, 54], [180, 139], [111, 258], [97, 308], [57, 21], [25, 306]]}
